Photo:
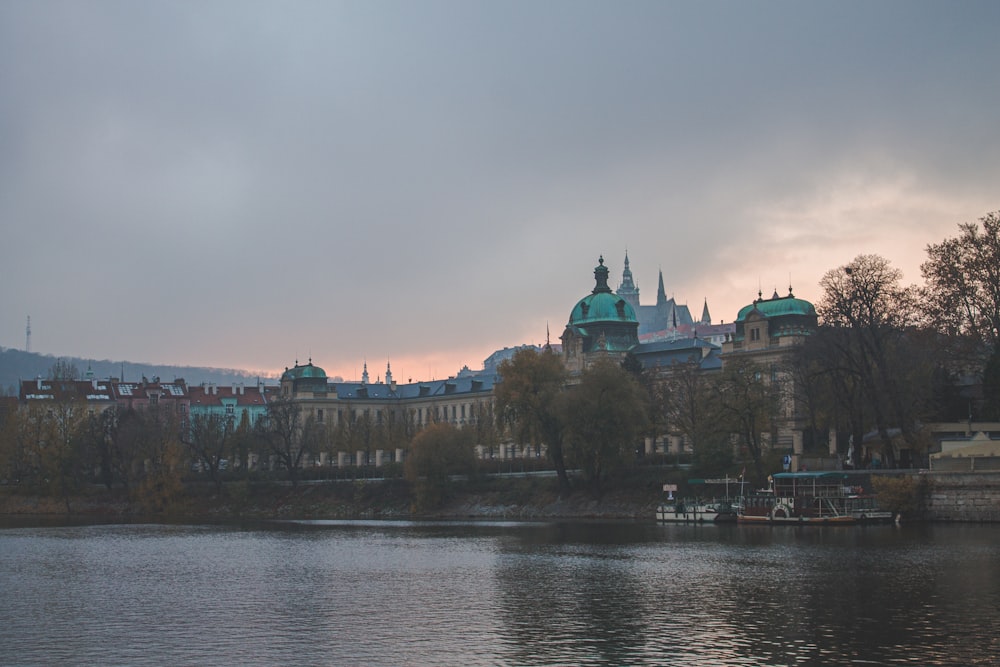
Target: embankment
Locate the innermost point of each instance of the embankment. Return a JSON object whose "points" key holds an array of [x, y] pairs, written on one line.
{"points": [[525, 498]]}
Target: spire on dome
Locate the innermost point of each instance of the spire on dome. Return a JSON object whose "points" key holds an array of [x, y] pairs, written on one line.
{"points": [[364, 374], [601, 276]]}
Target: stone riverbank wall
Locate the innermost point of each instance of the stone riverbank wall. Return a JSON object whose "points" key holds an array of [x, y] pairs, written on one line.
{"points": [[962, 496]]}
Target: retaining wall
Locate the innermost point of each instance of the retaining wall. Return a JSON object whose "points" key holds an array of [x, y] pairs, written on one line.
{"points": [[967, 496]]}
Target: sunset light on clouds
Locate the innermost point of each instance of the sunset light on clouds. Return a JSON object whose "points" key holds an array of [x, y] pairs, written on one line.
{"points": [[245, 185]]}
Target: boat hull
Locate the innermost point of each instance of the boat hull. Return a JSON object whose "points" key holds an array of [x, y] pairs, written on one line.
{"points": [[798, 520], [696, 514]]}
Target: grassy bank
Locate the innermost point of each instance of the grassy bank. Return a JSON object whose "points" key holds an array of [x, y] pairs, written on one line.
{"points": [[629, 496]]}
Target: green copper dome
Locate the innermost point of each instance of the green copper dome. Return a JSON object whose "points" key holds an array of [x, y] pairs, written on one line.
{"points": [[302, 372], [785, 316], [602, 305], [779, 306]]}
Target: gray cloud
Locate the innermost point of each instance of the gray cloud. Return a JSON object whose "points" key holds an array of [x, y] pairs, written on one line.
{"points": [[429, 181]]}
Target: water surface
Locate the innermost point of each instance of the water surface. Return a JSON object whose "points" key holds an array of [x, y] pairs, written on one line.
{"points": [[499, 593]]}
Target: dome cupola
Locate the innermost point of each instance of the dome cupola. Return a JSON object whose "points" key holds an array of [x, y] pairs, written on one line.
{"points": [[601, 324], [307, 371], [601, 305], [785, 316]]}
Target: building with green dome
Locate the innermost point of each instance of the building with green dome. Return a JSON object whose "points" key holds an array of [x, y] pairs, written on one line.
{"points": [[601, 325], [301, 379], [383, 414], [775, 322], [768, 333]]}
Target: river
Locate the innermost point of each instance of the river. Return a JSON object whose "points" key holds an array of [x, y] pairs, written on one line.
{"points": [[499, 593]]}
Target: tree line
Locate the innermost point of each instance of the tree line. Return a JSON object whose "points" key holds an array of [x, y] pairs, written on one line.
{"points": [[886, 359]]}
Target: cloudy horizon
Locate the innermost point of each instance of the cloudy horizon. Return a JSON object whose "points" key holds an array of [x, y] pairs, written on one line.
{"points": [[247, 184]]}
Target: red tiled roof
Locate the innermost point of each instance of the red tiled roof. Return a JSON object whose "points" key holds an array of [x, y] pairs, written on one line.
{"points": [[65, 391]]}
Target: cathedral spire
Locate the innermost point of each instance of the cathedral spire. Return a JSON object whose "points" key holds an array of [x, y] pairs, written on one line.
{"points": [[661, 294], [627, 290], [627, 282], [706, 318]]}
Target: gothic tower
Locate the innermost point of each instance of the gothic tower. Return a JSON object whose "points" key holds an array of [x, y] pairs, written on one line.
{"points": [[628, 289]]}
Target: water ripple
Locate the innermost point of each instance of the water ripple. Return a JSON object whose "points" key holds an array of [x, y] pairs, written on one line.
{"points": [[403, 593]]}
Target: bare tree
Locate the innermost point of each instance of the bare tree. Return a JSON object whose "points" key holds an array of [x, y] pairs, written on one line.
{"points": [[682, 405], [64, 370], [866, 301], [289, 437], [962, 273], [208, 440], [962, 302], [748, 406]]}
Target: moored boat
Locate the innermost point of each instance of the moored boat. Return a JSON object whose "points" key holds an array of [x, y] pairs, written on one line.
{"points": [[864, 507], [698, 510], [680, 511], [809, 498]]}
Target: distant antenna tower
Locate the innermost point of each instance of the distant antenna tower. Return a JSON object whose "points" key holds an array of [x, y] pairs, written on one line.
{"points": [[27, 336]]}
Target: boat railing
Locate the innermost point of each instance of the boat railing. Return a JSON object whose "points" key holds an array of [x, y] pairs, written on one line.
{"points": [[828, 508]]}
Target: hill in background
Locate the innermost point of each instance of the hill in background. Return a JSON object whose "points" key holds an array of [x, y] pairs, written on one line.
{"points": [[16, 365]]}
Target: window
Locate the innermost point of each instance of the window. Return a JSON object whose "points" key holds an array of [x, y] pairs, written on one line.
{"points": [[319, 415], [755, 334]]}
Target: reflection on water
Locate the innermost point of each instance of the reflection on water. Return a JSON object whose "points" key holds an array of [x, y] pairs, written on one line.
{"points": [[499, 593]]}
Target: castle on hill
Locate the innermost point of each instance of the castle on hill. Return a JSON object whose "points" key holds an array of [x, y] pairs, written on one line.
{"points": [[667, 319]]}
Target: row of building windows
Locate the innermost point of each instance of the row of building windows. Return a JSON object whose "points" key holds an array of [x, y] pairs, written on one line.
{"points": [[465, 413]]}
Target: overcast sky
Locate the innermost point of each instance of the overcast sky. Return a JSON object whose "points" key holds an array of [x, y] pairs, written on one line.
{"points": [[243, 184]]}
